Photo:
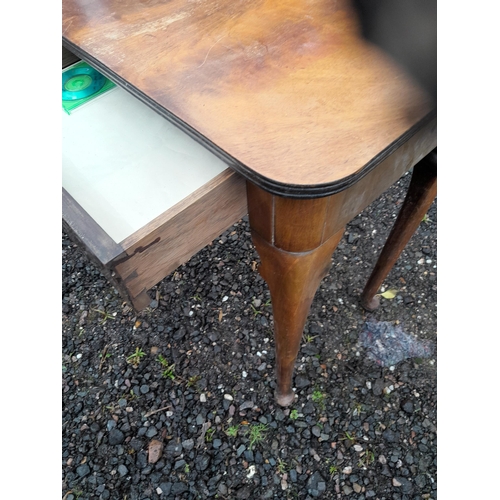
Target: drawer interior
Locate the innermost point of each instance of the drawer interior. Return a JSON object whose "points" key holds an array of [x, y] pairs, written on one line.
{"points": [[140, 194], [126, 165]]}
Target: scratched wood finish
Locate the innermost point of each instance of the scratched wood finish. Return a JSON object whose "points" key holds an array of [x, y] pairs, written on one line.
{"points": [[286, 92], [420, 195]]}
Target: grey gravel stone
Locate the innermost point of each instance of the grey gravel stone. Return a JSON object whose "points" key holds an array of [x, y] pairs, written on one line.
{"points": [[122, 470], [136, 444], [173, 450], [202, 462], [407, 406], [421, 481], [165, 488], [83, 470], [246, 405], [116, 437], [301, 382], [390, 436], [151, 432], [188, 444], [378, 387], [244, 492], [178, 488]]}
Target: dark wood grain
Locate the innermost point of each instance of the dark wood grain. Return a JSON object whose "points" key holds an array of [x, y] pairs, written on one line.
{"points": [[299, 224], [295, 257], [68, 57], [421, 194], [286, 92], [293, 279], [261, 212]]}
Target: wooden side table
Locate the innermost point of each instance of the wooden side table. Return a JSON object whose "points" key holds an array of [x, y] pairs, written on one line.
{"points": [[287, 95]]}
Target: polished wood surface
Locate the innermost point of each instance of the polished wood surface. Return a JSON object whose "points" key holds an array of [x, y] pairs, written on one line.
{"points": [[286, 92], [284, 221], [421, 194]]}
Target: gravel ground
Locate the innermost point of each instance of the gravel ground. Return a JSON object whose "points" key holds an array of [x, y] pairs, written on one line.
{"points": [[177, 401]]}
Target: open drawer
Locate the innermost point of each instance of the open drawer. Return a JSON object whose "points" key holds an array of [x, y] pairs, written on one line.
{"points": [[140, 195]]}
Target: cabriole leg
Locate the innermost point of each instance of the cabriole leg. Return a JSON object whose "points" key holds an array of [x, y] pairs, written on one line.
{"points": [[421, 194], [295, 255]]}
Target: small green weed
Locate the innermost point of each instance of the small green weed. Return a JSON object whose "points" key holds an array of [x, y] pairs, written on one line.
{"points": [[282, 466], [192, 380], [358, 409], [209, 435], [367, 459], [105, 315], [255, 311], [333, 470], [77, 493], [135, 358], [319, 398], [256, 434], [309, 338], [169, 371], [186, 469], [232, 431], [294, 414], [349, 437]]}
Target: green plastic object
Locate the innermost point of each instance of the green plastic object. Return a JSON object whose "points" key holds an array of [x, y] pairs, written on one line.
{"points": [[71, 105]]}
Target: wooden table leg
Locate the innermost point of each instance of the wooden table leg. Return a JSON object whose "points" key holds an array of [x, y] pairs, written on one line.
{"points": [[295, 252], [421, 193]]}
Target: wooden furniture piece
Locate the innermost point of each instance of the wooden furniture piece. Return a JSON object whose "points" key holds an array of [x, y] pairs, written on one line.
{"points": [[288, 96], [140, 194]]}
